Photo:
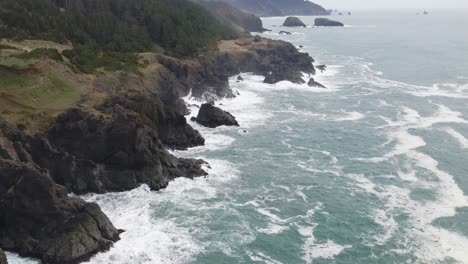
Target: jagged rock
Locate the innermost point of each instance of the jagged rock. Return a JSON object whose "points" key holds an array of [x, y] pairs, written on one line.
{"points": [[313, 83], [39, 219], [165, 114], [325, 22], [282, 32], [268, 57], [3, 259], [321, 68], [293, 22], [121, 152], [212, 116], [239, 78]]}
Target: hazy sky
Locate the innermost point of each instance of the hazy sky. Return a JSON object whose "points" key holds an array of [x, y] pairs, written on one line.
{"points": [[393, 3]]}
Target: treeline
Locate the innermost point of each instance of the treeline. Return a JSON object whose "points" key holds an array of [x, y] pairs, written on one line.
{"points": [[180, 27]]}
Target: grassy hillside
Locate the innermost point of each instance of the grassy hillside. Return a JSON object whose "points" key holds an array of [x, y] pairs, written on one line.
{"points": [[181, 27]]}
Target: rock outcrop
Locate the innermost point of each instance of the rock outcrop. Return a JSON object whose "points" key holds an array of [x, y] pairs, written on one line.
{"points": [[3, 259], [38, 218], [282, 32], [321, 68], [121, 152], [212, 116], [275, 59], [313, 83], [293, 22], [119, 143], [325, 22]]}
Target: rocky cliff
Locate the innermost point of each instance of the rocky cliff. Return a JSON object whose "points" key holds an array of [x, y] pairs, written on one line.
{"points": [[37, 217], [115, 138]]}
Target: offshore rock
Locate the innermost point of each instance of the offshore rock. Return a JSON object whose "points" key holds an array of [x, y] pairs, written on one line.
{"points": [[325, 22], [313, 83], [212, 116], [293, 22]]}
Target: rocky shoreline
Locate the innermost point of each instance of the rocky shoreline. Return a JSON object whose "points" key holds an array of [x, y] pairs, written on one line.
{"points": [[119, 144]]}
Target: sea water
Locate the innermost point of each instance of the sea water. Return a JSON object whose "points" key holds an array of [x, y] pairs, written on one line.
{"points": [[373, 169]]}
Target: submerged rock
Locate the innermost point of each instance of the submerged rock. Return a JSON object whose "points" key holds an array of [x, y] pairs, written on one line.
{"points": [[40, 220], [325, 22], [313, 83], [321, 68], [293, 22], [282, 32], [3, 259], [212, 116]]}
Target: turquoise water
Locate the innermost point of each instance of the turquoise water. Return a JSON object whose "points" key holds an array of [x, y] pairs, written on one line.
{"points": [[372, 170]]}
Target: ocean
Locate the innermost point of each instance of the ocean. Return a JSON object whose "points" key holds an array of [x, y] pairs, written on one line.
{"points": [[373, 169]]}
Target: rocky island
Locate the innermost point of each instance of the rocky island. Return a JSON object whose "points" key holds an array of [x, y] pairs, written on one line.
{"points": [[293, 22], [325, 22], [84, 115]]}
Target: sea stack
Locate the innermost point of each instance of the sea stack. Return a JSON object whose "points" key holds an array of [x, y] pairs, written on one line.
{"points": [[325, 22], [212, 116], [293, 22]]}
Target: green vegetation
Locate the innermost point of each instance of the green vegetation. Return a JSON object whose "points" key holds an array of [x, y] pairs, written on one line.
{"points": [[2, 46], [88, 58], [17, 63], [41, 53], [181, 27], [33, 101]]}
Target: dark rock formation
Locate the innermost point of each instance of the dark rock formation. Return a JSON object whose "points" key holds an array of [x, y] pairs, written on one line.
{"points": [[321, 68], [119, 144], [265, 8], [325, 22], [239, 78], [276, 60], [3, 259], [37, 217], [293, 22], [121, 152], [313, 83], [282, 32], [212, 116]]}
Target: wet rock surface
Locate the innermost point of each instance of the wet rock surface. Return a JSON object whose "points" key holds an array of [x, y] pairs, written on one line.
{"points": [[293, 22], [325, 22], [212, 116]]}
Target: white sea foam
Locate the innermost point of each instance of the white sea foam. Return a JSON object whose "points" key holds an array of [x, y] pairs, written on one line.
{"points": [[149, 239], [350, 116], [429, 243], [261, 257], [14, 258], [273, 229], [312, 249], [459, 137]]}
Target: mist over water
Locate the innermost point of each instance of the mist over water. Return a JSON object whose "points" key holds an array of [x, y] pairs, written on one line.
{"points": [[372, 170]]}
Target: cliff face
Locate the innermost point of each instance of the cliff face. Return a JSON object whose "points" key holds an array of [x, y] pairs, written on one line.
{"points": [[265, 8], [37, 217], [117, 143]]}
